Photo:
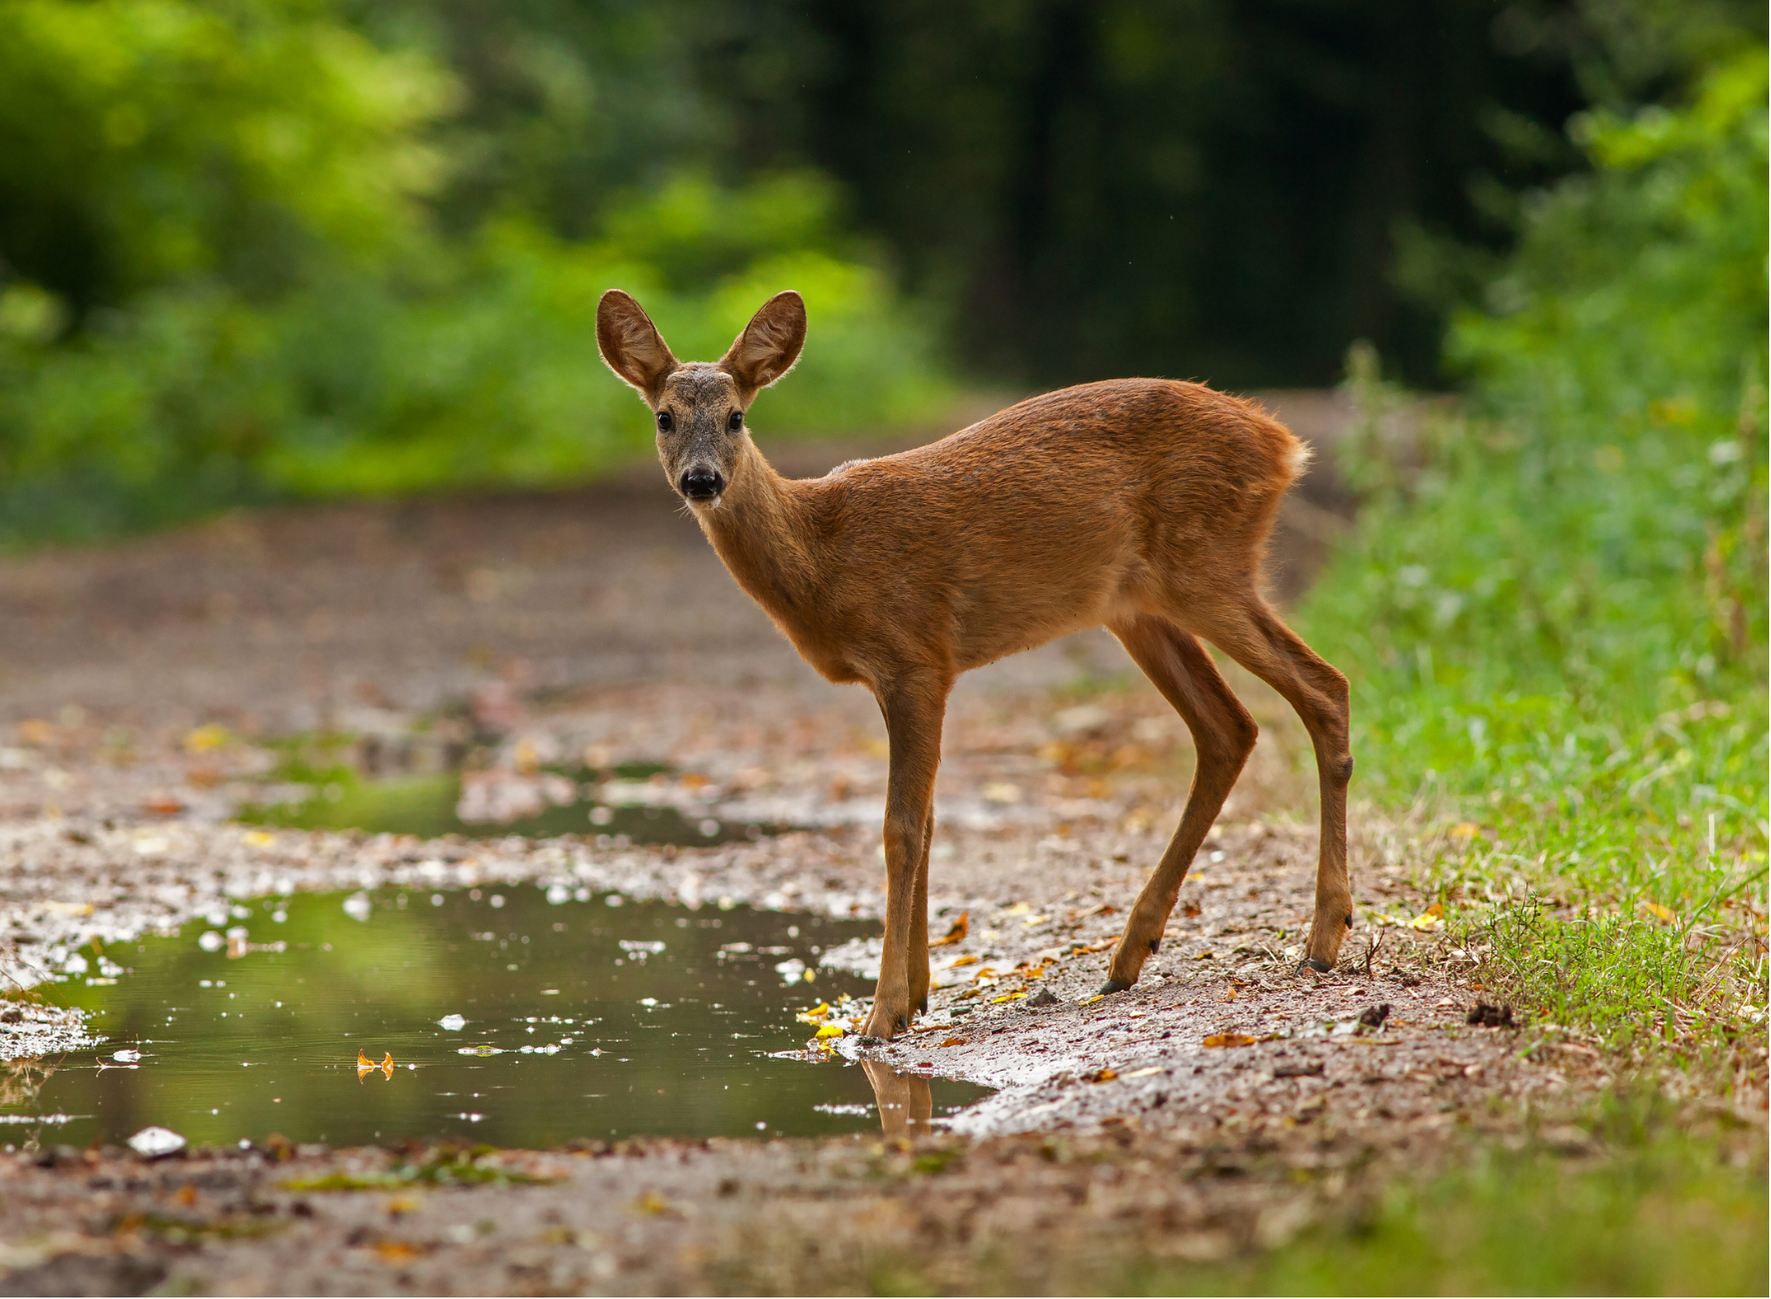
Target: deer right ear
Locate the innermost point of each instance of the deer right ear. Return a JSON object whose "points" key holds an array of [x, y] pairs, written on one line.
{"points": [[631, 345], [769, 345]]}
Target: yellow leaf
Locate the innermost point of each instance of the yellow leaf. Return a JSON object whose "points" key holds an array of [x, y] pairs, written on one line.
{"points": [[68, 908], [1429, 920], [205, 738], [652, 1202], [1465, 830], [1229, 1039], [258, 839], [1007, 996], [1663, 913], [396, 1251], [1104, 1075], [829, 1030], [958, 961], [816, 1015]]}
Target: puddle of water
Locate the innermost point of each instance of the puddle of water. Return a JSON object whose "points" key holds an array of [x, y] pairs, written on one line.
{"points": [[426, 806], [577, 1018]]}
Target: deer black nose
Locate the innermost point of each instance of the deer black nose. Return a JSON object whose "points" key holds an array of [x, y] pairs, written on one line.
{"points": [[702, 484]]}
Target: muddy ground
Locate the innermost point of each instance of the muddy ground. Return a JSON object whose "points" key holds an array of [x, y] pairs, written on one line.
{"points": [[1220, 1107]]}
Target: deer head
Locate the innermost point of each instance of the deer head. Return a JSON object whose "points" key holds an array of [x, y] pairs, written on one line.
{"points": [[699, 406]]}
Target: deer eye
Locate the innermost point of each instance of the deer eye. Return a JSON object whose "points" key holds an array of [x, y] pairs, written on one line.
{"points": [[665, 422], [736, 421]]}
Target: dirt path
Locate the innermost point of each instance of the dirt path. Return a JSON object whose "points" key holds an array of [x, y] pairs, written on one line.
{"points": [[1219, 1107]]}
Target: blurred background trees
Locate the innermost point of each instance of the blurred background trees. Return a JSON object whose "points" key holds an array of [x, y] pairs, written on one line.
{"points": [[255, 249]]}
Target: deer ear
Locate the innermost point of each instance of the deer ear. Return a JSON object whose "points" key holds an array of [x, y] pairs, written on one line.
{"points": [[769, 345], [631, 345]]}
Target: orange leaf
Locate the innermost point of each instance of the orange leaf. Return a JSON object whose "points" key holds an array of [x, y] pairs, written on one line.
{"points": [[1229, 1039], [957, 933]]}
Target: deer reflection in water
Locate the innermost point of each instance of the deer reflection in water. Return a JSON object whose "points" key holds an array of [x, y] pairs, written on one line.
{"points": [[905, 1105]]}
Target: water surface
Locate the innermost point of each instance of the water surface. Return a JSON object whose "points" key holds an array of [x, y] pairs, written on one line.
{"points": [[579, 1016]]}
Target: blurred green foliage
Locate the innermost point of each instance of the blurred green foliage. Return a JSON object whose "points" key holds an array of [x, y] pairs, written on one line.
{"points": [[1554, 608], [258, 297]]}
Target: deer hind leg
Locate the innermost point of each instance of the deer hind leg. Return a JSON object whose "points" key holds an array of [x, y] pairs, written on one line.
{"points": [[1223, 737], [1252, 634], [913, 713]]}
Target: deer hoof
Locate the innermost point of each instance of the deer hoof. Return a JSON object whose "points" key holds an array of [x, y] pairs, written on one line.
{"points": [[922, 1007], [1155, 946], [1110, 987], [1311, 963]]}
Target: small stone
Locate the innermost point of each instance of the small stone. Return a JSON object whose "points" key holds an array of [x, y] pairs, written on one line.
{"points": [[1044, 997], [1491, 1016], [156, 1143]]}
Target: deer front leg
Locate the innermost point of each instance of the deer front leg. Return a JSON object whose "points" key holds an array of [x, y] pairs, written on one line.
{"points": [[913, 713], [920, 979]]}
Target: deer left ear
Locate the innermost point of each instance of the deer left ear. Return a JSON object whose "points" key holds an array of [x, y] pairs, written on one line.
{"points": [[769, 345], [631, 345]]}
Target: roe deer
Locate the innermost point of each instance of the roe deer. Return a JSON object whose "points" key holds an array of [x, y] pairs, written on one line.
{"points": [[1140, 504]]}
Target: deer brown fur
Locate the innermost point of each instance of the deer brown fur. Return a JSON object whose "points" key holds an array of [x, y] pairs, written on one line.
{"points": [[1139, 504]]}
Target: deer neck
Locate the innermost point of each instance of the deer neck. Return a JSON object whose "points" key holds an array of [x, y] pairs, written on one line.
{"points": [[759, 530]]}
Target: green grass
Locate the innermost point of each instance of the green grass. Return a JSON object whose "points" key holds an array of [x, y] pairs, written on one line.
{"points": [[1668, 1217], [1553, 607]]}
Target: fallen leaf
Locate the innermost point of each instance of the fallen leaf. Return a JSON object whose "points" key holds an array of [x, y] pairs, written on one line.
{"points": [[68, 908], [957, 933], [653, 1203], [953, 1041], [1429, 920], [829, 1030], [958, 961], [396, 1251], [398, 1204], [1465, 830], [258, 839], [1229, 1039], [1103, 1075], [1145, 1073], [1007, 996], [205, 738], [1660, 912], [162, 805]]}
